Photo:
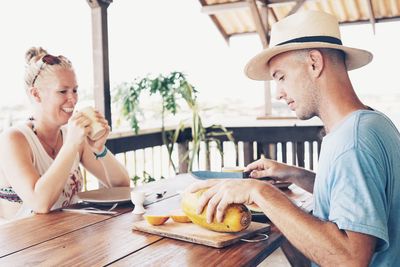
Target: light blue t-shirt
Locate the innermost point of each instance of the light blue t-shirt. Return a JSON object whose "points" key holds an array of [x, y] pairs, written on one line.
{"points": [[357, 185]]}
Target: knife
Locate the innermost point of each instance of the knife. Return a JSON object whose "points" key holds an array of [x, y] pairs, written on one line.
{"points": [[204, 175]]}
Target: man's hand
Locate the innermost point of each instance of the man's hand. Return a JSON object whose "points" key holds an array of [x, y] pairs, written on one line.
{"points": [[271, 168], [282, 172], [222, 192]]}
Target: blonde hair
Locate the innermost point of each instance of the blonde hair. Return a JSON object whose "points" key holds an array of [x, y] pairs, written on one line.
{"points": [[35, 68]]}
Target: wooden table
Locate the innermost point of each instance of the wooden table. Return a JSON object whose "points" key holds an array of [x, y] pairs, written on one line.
{"points": [[64, 238]]}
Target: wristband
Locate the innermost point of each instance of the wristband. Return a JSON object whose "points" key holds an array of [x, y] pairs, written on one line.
{"points": [[102, 154]]}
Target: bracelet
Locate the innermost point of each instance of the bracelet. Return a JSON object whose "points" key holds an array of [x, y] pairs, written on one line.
{"points": [[102, 154]]}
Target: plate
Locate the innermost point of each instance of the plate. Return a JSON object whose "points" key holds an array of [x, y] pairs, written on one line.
{"points": [[106, 195]]}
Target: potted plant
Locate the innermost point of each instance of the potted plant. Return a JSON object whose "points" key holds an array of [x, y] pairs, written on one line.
{"points": [[172, 88]]}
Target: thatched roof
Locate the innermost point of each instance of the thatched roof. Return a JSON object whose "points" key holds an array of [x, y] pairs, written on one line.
{"points": [[255, 16]]}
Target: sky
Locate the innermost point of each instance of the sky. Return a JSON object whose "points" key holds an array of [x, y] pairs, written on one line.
{"points": [[152, 37]]}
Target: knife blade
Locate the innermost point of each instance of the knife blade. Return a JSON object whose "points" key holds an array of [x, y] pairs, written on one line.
{"points": [[204, 175]]}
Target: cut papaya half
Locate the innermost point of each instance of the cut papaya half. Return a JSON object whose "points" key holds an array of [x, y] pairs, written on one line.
{"points": [[179, 216], [156, 219]]}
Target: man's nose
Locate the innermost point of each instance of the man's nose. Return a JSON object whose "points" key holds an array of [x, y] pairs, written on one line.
{"points": [[280, 93]]}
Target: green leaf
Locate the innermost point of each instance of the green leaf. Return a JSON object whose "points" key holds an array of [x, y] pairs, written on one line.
{"points": [[172, 88]]}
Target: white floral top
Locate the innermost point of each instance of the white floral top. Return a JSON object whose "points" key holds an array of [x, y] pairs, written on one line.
{"points": [[42, 161]]}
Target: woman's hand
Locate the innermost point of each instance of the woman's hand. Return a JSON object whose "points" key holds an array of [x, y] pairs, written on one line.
{"points": [[78, 128], [98, 145], [222, 192]]}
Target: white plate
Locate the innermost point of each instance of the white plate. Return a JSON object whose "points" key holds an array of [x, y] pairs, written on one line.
{"points": [[107, 195]]}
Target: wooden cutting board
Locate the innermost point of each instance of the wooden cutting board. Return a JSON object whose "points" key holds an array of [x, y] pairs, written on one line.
{"points": [[194, 233]]}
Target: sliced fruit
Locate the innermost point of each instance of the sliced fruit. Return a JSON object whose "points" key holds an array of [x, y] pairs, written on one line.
{"points": [[156, 219], [179, 216]]}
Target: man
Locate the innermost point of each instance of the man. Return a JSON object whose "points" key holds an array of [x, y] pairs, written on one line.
{"points": [[357, 187]]}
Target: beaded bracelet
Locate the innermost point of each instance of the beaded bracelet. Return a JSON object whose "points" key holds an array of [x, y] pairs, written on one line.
{"points": [[102, 154]]}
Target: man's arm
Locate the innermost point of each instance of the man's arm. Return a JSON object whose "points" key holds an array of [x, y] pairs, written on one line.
{"points": [[322, 242]]}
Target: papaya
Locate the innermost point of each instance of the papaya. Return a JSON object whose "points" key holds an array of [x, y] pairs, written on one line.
{"points": [[237, 216], [179, 216], [156, 219]]}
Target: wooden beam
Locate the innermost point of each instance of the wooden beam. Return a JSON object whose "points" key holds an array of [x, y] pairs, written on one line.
{"points": [[296, 7], [102, 95], [268, 2], [272, 13], [216, 8], [346, 23], [267, 85], [262, 33], [371, 14], [276, 2], [357, 22], [216, 23]]}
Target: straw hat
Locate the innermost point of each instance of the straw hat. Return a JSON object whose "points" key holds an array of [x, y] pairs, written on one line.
{"points": [[302, 30]]}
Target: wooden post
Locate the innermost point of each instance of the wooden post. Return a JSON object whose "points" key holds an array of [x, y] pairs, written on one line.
{"points": [[273, 151], [311, 154], [183, 149], [208, 161], [260, 150], [284, 152], [300, 154], [248, 153], [237, 153], [294, 153], [267, 84], [102, 95]]}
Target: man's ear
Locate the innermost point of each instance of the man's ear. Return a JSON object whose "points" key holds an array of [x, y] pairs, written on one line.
{"points": [[35, 93], [316, 62]]}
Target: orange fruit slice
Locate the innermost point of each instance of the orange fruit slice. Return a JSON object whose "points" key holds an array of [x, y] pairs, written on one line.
{"points": [[156, 219], [179, 216]]}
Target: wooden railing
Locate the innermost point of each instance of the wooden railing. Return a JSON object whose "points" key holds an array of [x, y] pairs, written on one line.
{"points": [[297, 145]]}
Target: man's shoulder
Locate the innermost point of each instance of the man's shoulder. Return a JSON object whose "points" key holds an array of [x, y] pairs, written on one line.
{"points": [[366, 124], [373, 117], [363, 131], [374, 124]]}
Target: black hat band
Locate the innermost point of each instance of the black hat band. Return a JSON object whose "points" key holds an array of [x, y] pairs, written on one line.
{"points": [[310, 39]]}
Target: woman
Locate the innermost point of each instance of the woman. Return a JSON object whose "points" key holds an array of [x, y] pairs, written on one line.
{"points": [[39, 163]]}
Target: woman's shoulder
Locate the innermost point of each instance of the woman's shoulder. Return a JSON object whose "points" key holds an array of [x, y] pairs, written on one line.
{"points": [[14, 135], [14, 143]]}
